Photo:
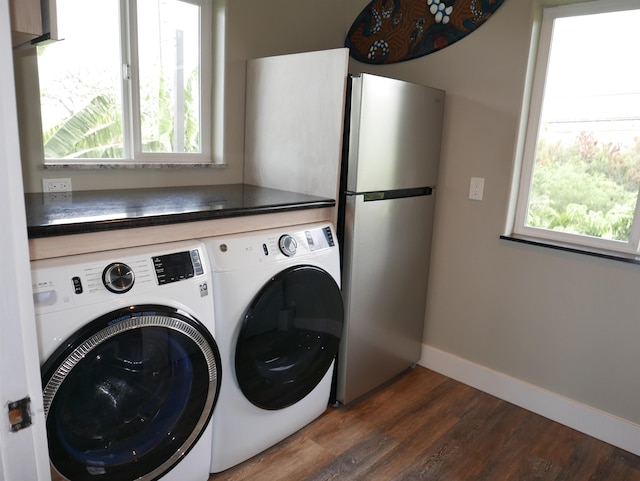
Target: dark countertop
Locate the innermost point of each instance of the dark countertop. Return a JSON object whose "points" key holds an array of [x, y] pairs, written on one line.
{"points": [[101, 210]]}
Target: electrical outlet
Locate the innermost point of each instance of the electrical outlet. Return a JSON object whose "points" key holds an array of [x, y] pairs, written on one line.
{"points": [[56, 185], [476, 188]]}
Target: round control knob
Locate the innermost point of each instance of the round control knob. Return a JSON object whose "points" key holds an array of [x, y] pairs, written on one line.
{"points": [[118, 277], [288, 245]]}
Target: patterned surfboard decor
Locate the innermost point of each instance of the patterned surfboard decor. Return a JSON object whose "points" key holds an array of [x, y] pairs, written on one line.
{"points": [[390, 31]]}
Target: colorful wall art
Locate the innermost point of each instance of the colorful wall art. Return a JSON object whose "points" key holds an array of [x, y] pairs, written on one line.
{"points": [[391, 31]]}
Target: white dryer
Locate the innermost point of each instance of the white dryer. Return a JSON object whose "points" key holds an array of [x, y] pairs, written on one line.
{"points": [[279, 320], [130, 369]]}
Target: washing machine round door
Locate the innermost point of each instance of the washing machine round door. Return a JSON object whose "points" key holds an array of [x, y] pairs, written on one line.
{"points": [[129, 394], [289, 337]]}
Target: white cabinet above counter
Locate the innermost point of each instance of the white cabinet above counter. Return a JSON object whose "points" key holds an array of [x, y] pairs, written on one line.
{"points": [[31, 19], [294, 121]]}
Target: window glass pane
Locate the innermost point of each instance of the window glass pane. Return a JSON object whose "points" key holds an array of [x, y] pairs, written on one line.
{"points": [[169, 58], [80, 83], [587, 166]]}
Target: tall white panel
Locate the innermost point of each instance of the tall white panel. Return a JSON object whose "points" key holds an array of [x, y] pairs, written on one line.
{"points": [[294, 120]]}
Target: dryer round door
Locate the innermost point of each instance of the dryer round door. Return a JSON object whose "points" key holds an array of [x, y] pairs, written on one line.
{"points": [[129, 394], [289, 337]]}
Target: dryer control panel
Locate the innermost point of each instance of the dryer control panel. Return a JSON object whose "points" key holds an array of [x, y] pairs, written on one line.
{"points": [[319, 238], [251, 250]]}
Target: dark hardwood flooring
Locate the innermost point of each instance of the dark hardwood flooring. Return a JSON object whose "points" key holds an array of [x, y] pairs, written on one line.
{"points": [[424, 426]]}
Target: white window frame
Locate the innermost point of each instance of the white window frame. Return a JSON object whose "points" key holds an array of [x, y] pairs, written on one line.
{"points": [[539, 58], [132, 148]]}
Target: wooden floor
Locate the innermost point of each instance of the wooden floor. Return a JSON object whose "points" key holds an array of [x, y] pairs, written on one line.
{"points": [[425, 426]]}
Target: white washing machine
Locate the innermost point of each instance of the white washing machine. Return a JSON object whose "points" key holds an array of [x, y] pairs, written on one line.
{"points": [[131, 372], [279, 320]]}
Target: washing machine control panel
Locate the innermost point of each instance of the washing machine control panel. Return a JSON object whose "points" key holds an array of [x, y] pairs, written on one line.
{"points": [[177, 266], [66, 282], [118, 277]]}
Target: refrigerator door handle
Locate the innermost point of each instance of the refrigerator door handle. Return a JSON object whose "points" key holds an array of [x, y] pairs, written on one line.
{"points": [[394, 194]]}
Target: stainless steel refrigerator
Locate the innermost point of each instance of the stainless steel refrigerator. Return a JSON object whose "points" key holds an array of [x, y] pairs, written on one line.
{"points": [[391, 153]]}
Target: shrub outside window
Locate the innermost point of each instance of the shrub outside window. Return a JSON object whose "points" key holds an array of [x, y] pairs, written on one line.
{"points": [[134, 87], [581, 160]]}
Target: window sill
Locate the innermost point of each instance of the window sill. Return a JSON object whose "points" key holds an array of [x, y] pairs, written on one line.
{"points": [[124, 165], [563, 246]]}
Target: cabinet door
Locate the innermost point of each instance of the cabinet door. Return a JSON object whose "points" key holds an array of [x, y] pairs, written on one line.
{"points": [[26, 20], [23, 453]]}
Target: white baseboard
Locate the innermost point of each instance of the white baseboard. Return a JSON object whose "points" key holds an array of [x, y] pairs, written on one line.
{"points": [[583, 418]]}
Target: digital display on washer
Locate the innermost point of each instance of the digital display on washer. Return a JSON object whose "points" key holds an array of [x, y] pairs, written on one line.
{"points": [[319, 239], [177, 266]]}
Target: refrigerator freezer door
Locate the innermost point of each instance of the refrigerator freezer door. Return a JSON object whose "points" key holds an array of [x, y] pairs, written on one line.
{"points": [[394, 141], [385, 273]]}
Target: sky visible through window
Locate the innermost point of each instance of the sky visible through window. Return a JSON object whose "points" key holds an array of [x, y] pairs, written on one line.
{"points": [[593, 78], [86, 61], [81, 79]]}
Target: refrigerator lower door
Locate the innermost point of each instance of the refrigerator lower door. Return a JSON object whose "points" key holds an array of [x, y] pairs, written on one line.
{"points": [[385, 271]]}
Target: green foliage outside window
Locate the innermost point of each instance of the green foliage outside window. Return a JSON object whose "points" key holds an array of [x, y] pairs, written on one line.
{"points": [[586, 187], [95, 131]]}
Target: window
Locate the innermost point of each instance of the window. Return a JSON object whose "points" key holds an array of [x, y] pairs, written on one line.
{"points": [[129, 83], [581, 158]]}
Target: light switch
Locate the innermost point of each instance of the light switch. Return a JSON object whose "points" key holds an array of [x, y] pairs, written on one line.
{"points": [[476, 188]]}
